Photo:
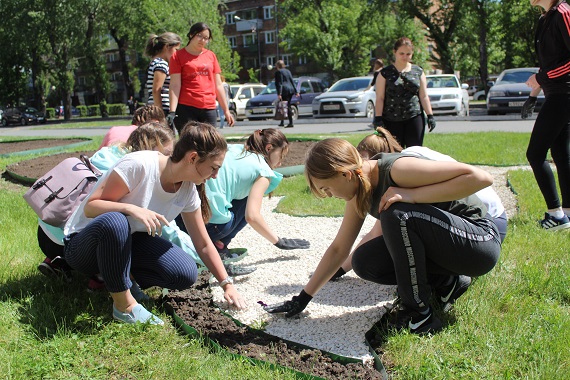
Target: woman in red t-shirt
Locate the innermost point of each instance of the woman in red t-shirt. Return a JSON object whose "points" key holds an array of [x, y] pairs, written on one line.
{"points": [[195, 82]]}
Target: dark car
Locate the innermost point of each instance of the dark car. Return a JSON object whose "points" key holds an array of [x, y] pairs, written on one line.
{"points": [[22, 116], [510, 91], [262, 106]]}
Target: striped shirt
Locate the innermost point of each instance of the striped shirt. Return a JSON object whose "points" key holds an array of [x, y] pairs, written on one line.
{"points": [[158, 64]]}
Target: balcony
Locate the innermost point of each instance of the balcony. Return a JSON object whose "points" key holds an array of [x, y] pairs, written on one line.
{"points": [[248, 25]]}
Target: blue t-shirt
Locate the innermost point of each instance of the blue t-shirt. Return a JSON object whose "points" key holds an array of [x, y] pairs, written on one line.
{"points": [[235, 179]]}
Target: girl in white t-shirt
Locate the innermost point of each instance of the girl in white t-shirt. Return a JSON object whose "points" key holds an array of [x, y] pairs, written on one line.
{"points": [[119, 231]]}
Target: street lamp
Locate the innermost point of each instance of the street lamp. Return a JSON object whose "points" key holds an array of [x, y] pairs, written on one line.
{"points": [[254, 29]]}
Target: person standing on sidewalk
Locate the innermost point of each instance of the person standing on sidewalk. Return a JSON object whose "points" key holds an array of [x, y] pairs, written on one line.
{"points": [[400, 95], [552, 127], [285, 87], [160, 49], [196, 83]]}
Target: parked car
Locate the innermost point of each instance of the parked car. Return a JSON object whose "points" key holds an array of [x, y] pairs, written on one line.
{"points": [[480, 95], [262, 106], [22, 116], [347, 97], [472, 90], [509, 92], [242, 93], [447, 95]]}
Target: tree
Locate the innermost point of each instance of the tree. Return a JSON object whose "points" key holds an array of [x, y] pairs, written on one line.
{"points": [[335, 33], [441, 20]]}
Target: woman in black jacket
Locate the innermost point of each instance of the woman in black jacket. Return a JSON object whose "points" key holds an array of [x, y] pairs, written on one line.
{"points": [[285, 87], [552, 127]]}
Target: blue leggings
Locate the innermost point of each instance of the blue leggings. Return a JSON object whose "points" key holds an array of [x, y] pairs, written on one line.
{"points": [[422, 246], [552, 131], [106, 246], [226, 232]]}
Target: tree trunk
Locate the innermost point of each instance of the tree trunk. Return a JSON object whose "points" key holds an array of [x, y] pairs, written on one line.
{"points": [[123, 46], [483, 56]]}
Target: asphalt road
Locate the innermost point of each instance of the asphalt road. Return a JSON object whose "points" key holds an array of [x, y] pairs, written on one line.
{"points": [[478, 121]]}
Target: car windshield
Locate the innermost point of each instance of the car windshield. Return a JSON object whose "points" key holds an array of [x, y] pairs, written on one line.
{"points": [[234, 89], [350, 85], [515, 77], [270, 89], [442, 82]]}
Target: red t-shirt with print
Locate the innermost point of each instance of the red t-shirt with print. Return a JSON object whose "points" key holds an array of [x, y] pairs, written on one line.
{"points": [[197, 77]]}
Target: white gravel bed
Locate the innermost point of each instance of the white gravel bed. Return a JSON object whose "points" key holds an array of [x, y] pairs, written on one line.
{"points": [[343, 311]]}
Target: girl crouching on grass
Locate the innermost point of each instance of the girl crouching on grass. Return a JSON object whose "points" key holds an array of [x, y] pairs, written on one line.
{"points": [[432, 225]]}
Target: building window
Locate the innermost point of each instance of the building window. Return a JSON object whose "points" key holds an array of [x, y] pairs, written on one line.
{"points": [[270, 60], [250, 63], [249, 39], [270, 37], [303, 60], [116, 76], [268, 12], [230, 18], [287, 59], [112, 57], [81, 81], [233, 41], [248, 14]]}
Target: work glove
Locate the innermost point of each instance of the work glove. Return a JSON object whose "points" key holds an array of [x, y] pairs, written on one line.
{"points": [[528, 107], [430, 122], [170, 118], [377, 122], [339, 273], [284, 243], [291, 308]]}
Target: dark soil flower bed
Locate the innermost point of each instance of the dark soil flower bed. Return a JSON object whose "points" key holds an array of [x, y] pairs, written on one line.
{"points": [[196, 308], [37, 167]]}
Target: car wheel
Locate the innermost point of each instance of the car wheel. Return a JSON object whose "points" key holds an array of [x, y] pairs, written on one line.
{"points": [[369, 109], [234, 114], [481, 97], [23, 121], [295, 112], [4, 122]]}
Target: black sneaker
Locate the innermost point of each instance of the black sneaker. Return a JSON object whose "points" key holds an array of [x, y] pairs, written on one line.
{"points": [[552, 223], [449, 294], [56, 268], [239, 270], [402, 317]]}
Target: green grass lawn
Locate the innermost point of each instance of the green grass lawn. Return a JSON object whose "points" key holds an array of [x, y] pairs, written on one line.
{"points": [[514, 323]]}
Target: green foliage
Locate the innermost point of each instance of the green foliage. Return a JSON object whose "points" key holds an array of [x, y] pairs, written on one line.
{"points": [[50, 113], [93, 110], [335, 34], [83, 112], [117, 109]]}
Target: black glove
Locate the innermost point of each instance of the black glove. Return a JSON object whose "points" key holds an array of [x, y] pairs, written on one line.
{"points": [[290, 308], [170, 118], [284, 243], [430, 122], [528, 107], [339, 273], [377, 122]]}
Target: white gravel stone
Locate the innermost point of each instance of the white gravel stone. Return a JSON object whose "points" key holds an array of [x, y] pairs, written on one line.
{"points": [[343, 311]]}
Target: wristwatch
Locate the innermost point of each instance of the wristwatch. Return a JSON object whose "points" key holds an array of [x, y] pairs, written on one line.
{"points": [[227, 280]]}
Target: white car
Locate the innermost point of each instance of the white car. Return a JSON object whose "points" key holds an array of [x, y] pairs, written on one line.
{"points": [[348, 97], [241, 94], [447, 95]]}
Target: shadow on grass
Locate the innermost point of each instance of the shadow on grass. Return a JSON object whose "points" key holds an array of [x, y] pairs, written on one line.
{"points": [[51, 305]]}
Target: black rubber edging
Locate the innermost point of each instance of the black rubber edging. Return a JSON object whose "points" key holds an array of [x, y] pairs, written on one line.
{"points": [[216, 347]]}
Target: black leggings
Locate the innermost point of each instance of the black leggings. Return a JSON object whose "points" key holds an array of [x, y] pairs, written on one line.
{"points": [[423, 245], [408, 132], [184, 114], [288, 98], [552, 131]]}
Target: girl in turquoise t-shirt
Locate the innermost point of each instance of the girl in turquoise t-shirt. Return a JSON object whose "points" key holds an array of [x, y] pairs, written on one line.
{"points": [[235, 196]]}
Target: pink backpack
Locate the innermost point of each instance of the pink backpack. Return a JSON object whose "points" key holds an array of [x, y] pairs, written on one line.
{"points": [[60, 191]]}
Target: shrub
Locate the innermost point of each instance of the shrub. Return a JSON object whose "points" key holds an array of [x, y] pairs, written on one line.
{"points": [[83, 111], [50, 113], [117, 109], [93, 110]]}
